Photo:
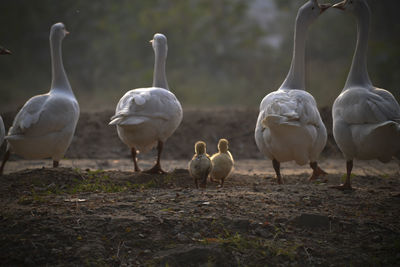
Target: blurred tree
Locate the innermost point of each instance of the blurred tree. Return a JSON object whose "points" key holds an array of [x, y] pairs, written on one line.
{"points": [[219, 51]]}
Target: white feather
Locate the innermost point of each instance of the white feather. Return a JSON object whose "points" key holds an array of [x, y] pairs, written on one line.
{"points": [[289, 127], [366, 124], [145, 116]]}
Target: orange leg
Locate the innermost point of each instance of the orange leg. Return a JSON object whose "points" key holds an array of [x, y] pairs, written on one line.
{"points": [[157, 167], [317, 171]]}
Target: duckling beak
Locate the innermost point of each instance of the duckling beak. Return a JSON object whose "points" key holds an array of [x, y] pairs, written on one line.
{"points": [[324, 7], [341, 5]]}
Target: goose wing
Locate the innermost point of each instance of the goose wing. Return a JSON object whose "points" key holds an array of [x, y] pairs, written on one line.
{"points": [[291, 107], [384, 105], [43, 114], [140, 105], [358, 106]]}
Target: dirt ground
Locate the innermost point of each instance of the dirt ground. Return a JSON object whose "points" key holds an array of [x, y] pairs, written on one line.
{"points": [[95, 211]]}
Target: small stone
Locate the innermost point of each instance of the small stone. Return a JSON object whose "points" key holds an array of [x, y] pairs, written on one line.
{"points": [[181, 237], [197, 235]]}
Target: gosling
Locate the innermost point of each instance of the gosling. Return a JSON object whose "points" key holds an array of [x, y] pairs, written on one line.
{"points": [[222, 163], [200, 166]]}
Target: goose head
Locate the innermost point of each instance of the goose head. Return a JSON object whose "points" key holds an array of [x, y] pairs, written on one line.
{"points": [[159, 43], [58, 31], [200, 147], [311, 10], [4, 51], [223, 145], [352, 6]]}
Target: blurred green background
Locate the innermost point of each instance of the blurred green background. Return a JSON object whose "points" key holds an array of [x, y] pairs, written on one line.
{"points": [[225, 52]]}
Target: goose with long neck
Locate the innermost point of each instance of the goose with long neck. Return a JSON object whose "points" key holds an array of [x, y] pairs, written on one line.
{"points": [[45, 125], [289, 126], [366, 119], [147, 117]]}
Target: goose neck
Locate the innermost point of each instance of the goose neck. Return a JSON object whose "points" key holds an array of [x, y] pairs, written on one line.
{"points": [[358, 74], [159, 76], [59, 78], [295, 78]]}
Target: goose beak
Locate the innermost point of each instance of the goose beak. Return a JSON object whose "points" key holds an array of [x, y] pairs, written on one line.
{"points": [[66, 32], [5, 52], [340, 5], [151, 41], [324, 7]]}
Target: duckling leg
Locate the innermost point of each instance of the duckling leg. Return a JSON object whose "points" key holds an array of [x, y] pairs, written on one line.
{"points": [[213, 180], [55, 163], [317, 171], [157, 167], [347, 184], [196, 183], [5, 159], [277, 167], [134, 153]]}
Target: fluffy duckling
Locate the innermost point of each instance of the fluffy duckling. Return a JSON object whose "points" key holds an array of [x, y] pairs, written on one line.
{"points": [[200, 165], [222, 163]]}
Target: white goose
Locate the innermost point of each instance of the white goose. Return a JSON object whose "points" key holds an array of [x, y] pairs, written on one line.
{"points": [[289, 126], [146, 117], [366, 119], [45, 125]]}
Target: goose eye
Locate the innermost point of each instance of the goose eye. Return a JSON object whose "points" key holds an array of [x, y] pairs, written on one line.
{"points": [[312, 8]]}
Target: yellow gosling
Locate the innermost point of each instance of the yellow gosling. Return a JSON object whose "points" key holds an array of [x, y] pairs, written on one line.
{"points": [[222, 163], [200, 165]]}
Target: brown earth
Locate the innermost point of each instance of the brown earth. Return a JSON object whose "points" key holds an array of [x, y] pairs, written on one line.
{"points": [[95, 139], [95, 211]]}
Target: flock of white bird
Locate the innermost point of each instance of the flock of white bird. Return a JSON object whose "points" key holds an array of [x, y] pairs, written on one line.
{"points": [[366, 119]]}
